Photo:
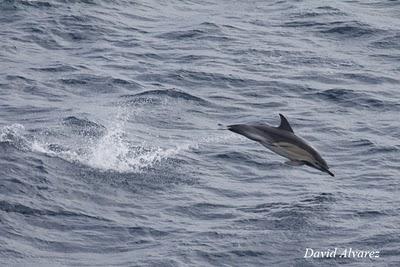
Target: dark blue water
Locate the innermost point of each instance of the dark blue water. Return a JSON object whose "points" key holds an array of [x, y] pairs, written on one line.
{"points": [[108, 155]]}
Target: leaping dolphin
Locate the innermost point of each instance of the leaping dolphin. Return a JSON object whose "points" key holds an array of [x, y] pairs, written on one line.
{"points": [[284, 142]]}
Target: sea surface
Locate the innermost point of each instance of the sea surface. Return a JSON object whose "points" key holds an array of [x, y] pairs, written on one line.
{"points": [[111, 152]]}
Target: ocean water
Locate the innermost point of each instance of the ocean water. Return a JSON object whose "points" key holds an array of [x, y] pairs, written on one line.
{"points": [[110, 153]]}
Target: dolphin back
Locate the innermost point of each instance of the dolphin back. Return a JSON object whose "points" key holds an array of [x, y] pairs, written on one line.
{"points": [[249, 131]]}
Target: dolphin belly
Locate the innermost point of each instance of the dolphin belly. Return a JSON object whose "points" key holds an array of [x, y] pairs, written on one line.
{"points": [[291, 151]]}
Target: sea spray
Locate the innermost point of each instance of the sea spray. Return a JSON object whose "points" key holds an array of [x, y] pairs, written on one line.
{"points": [[114, 150]]}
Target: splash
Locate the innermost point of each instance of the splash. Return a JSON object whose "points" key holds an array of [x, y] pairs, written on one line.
{"points": [[111, 152], [114, 152]]}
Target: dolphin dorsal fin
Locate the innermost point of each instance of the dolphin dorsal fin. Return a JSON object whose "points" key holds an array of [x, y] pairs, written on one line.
{"points": [[285, 124]]}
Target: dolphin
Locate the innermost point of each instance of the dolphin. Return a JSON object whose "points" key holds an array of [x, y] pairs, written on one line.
{"points": [[284, 142]]}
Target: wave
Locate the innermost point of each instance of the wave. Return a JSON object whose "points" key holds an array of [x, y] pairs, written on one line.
{"points": [[350, 29], [26, 210], [179, 35], [203, 31], [56, 68], [388, 42], [155, 96], [87, 84], [337, 28], [17, 4], [351, 98]]}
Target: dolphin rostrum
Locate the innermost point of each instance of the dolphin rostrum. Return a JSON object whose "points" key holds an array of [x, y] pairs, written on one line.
{"points": [[284, 142]]}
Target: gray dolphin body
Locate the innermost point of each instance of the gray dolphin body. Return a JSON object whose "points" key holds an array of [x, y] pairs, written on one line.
{"points": [[284, 142]]}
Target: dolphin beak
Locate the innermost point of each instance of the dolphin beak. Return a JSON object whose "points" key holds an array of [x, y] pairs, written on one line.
{"points": [[320, 168], [330, 173]]}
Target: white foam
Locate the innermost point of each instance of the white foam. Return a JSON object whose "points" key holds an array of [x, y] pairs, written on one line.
{"points": [[13, 134], [8, 132], [114, 152], [111, 152]]}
